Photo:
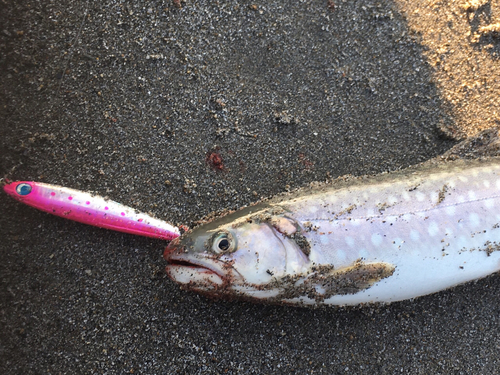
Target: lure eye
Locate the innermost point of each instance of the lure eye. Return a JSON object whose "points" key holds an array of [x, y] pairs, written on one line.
{"points": [[223, 242], [23, 189]]}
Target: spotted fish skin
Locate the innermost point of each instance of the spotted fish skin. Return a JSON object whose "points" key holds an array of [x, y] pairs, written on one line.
{"points": [[438, 225], [384, 238]]}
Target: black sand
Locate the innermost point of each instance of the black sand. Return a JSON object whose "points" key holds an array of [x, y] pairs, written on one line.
{"points": [[127, 99]]}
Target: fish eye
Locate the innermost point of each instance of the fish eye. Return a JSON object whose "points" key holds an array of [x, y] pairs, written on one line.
{"points": [[223, 242], [23, 189]]}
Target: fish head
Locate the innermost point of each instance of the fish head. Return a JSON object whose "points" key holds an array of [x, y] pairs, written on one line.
{"points": [[241, 255]]}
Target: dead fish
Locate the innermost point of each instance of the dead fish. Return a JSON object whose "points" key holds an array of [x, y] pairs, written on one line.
{"points": [[383, 238]]}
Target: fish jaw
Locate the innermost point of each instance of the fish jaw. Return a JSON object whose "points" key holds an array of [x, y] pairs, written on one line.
{"points": [[197, 271], [192, 277]]}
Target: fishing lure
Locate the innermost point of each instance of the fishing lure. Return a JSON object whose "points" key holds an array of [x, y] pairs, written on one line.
{"points": [[89, 209], [383, 238]]}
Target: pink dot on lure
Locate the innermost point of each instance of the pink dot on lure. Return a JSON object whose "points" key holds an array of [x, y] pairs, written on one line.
{"points": [[41, 196]]}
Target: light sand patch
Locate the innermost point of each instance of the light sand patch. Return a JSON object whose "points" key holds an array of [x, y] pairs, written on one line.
{"points": [[462, 41]]}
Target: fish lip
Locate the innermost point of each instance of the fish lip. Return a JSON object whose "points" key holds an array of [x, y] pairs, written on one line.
{"points": [[174, 261], [175, 255]]}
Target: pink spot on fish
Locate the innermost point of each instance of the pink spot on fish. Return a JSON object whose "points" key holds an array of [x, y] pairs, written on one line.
{"points": [[87, 202], [106, 208], [70, 198], [52, 193], [123, 213], [140, 220]]}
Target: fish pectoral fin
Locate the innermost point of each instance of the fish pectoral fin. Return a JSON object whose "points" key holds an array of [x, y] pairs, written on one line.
{"points": [[364, 275], [349, 280], [324, 281]]}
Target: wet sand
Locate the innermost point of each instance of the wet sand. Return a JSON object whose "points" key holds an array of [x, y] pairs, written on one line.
{"points": [[129, 100]]}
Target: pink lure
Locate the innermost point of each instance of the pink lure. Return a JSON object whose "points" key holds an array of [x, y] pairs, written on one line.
{"points": [[89, 209]]}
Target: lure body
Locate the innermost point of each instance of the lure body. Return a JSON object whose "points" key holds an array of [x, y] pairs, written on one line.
{"points": [[89, 209], [385, 238]]}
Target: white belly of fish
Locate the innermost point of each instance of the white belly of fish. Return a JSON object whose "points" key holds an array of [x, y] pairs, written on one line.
{"points": [[437, 231]]}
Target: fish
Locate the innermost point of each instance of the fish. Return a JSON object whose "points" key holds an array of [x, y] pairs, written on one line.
{"points": [[89, 209], [355, 240]]}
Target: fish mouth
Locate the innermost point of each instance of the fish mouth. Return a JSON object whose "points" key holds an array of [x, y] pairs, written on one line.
{"points": [[195, 271], [189, 264], [194, 274], [177, 258]]}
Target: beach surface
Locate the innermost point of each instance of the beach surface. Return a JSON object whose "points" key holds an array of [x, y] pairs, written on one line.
{"points": [[182, 108]]}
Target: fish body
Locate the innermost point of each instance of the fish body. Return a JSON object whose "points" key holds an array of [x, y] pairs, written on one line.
{"points": [[89, 209], [384, 238]]}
